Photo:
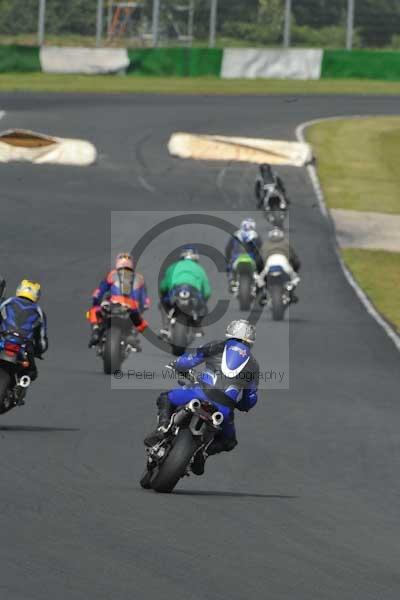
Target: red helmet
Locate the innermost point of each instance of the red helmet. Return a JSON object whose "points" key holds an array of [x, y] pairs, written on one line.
{"points": [[124, 261]]}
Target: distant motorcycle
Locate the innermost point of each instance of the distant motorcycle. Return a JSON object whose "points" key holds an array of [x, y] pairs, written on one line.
{"points": [[243, 285], [278, 285], [118, 339], [191, 430], [274, 205], [14, 360], [183, 318]]}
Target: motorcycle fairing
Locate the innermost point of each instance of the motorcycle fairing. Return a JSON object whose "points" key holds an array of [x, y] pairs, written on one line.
{"points": [[208, 377], [278, 261]]}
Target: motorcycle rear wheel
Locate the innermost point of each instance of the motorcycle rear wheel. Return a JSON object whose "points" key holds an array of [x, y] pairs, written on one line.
{"points": [[112, 353], [176, 463], [245, 279], [278, 308]]}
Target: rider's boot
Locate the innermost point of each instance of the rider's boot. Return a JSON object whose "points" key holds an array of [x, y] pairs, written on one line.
{"points": [[199, 331], [218, 445], [95, 337], [164, 331], [164, 418], [233, 286], [19, 395], [263, 298], [199, 462], [133, 340], [295, 282]]}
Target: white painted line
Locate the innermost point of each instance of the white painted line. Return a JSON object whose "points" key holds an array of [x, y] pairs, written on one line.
{"points": [[370, 308], [2, 114]]}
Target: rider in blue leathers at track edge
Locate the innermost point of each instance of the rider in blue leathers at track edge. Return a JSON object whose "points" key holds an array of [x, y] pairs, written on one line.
{"points": [[229, 380]]}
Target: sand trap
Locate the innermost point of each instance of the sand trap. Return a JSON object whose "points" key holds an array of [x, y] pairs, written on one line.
{"points": [[39, 148], [367, 230], [217, 147]]}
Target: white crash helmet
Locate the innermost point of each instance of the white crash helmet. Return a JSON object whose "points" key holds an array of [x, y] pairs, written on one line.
{"points": [[276, 235], [247, 232], [241, 330], [248, 224]]}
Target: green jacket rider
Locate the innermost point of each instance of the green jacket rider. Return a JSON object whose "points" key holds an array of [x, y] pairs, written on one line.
{"points": [[186, 272]]}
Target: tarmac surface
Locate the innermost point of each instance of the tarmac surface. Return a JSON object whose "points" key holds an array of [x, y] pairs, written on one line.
{"points": [[307, 506]]}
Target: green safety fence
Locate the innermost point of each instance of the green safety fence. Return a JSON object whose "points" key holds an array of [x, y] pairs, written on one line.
{"points": [[361, 64], [178, 62], [19, 59]]}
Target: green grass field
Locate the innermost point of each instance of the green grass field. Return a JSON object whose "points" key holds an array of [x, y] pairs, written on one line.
{"points": [[378, 273], [44, 82], [358, 168], [358, 162]]}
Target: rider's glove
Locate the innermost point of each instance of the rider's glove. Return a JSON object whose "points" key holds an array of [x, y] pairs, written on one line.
{"points": [[171, 365]]}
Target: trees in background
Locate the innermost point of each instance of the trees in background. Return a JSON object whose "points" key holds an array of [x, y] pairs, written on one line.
{"points": [[315, 22]]}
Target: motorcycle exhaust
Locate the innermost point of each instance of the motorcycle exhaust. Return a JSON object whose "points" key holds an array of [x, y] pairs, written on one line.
{"points": [[25, 381], [194, 405], [217, 419]]}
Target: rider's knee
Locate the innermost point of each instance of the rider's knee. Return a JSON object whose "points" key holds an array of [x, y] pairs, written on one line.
{"points": [[230, 444], [33, 374]]}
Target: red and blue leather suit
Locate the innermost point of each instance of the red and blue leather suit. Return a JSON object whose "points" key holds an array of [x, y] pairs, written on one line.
{"points": [[110, 286], [137, 299]]}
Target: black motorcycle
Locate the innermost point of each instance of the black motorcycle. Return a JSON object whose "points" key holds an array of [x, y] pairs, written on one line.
{"points": [[274, 205], [191, 429], [118, 339], [14, 360], [183, 318]]}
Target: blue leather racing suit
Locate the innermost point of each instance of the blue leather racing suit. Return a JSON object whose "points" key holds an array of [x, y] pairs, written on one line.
{"points": [[229, 380]]}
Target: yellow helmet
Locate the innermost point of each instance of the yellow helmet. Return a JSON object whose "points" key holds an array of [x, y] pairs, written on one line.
{"points": [[28, 289]]}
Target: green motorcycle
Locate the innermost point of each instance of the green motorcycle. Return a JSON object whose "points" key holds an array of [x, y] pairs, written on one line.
{"points": [[243, 285]]}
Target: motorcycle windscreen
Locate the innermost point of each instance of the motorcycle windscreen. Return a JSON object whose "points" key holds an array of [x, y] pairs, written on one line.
{"points": [[125, 278]]}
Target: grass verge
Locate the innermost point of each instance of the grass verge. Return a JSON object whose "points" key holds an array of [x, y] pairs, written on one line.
{"points": [[357, 165], [378, 273], [358, 162], [44, 82]]}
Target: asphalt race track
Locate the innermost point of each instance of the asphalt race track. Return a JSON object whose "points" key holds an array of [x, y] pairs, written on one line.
{"points": [[307, 507]]}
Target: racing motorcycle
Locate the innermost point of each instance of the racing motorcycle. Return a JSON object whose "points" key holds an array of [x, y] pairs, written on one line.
{"points": [[274, 205], [118, 339], [14, 360], [278, 285], [243, 285], [191, 429], [182, 318]]}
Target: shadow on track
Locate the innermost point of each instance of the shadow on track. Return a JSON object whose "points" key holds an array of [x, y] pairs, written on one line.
{"points": [[34, 429], [234, 495]]}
